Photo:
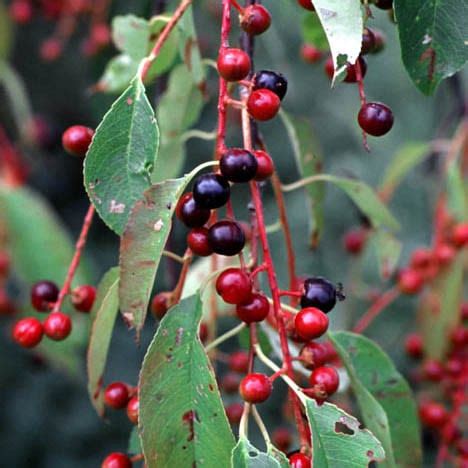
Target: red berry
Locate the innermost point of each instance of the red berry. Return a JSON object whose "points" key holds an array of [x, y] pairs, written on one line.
{"points": [[307, 4], [117, 460], [351, 75], [239, 362], [433, 370], [368, 41], [203, 332], [21, 11], [329, 67], [197, 240], [233, 64], [314, 354], [116, 395], [100, 35], [310, 323], [459, 336], [83, 297], [255, 20], [460, 235], [263, 104], [50, 50], [410, 281], [444, 254], [28, 332], [234, 286], [354, 241], [421, 258], [160, 304], [234, 412], [414, 345], [325, 379], [133, 407], [57, 326], [265, 165], [454, 367], [310, 53], [76, 140], [43, 295], [230, 383], [432, 414], [254, 311], [299, 460], [281, 438], [190, 213], [375, 118], [255, 388]]}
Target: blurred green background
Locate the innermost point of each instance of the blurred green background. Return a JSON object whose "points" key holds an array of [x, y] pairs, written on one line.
{"points": [[46, 418]]}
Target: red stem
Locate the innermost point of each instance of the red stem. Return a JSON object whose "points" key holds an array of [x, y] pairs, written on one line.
{"points": [[362, 97], [80, 243]]}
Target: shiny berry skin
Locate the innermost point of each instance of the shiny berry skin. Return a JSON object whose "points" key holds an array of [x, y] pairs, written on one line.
{"points": [[57, 326], [275, 82], [368, 41], [21, 11], [460, 235], [410, 281], [310, 323], [239, 362], [281, 438], [307, 4], [263, 104], [226, 238], [314, 355], [319, 293], [432, 414], [160, 304], [384, 4], [116, 395], [234, 286], [43, 295], [354, 241], [117, 460], [76, 140], [238, 165], [375, 118], [255, 388], [234, 412], [444, 254], [299, 460], [326, 379], [433, 370], [83, 297], [211, 191], [351, 76], [414, 345], [133, 408], [197, 240], [190, 213], [255, 20], [28, 332], [254, 311], [310, 53], [233, 64], [265, 165]]}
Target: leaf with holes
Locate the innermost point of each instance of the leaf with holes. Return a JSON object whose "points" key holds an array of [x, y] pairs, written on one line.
{"points": [[122, 155], [142, 245], [195, 431], [433, 38], [384, 398], [313, 33], [245, 455], [338, 439], [309, 163], [343, 24], [103, 315]]}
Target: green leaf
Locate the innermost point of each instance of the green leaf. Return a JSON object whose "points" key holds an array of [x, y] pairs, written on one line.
{"points": [[313, 32], [309, 162], [134, 442], [182, 419], [457, 192], [433, 39], [104, 313], [387, 250], [42, 249], [343, 24], [408, 157], [179, 108], [384, 398], [131, 35], [6, 32], [142, 245], [337, 438], [440, 309], [118, 73], [121, 158], [245, 455]]}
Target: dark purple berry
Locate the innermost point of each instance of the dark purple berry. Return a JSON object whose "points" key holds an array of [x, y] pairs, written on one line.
{"points": [[267, 79], [211, 191], [226, 237], [238, 165], [319, 293], [375, 118]]}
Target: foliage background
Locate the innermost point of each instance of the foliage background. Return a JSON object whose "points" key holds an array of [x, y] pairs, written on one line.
{"points": [[47, 420]]}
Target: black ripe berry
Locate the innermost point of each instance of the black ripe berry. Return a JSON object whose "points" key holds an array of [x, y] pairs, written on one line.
{"points": [[375, 118], [384, 4], [190, 213], [276, 82], [238, 165], [43, 295], [226, 237], [211, 191], [319, 293]]}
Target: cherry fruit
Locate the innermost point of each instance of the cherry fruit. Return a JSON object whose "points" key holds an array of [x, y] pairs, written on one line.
{"points": [[307, 4], [320, 293], [254, 311], [275, 82], [83, 298], [226, 237], [375, 118], [238, 165], [211, 191], [234, 286], [310, 323], [263, 104], [233, 64], [57, 326], [28, 332], [255, 20], [133, 407], [117, 460], [325, 379], [255, 388], [197, 240], [77, 139], [43, 295], [265, 165], [116, 395], [299, 460], [190, 213]]}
